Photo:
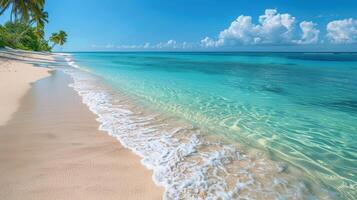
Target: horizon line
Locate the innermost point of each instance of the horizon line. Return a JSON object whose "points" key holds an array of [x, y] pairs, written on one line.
{"points": [[165, 51]]}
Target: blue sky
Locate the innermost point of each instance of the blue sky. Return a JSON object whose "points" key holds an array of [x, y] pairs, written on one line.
{"points": [[115, 25]]}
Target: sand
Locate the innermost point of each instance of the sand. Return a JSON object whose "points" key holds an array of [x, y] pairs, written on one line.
{"points": [[16, 76], [51, 149]]}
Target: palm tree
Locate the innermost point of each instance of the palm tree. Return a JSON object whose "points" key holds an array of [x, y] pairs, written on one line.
{"points": [[40, 33], [54, 39], [22, 8], [58, 38], [40, 21]]}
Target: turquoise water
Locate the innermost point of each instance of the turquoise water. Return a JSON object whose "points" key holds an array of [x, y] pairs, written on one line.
{"points": [[298, 108]]}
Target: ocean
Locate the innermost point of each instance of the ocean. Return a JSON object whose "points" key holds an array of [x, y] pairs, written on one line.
{"points": [[226, 125]]}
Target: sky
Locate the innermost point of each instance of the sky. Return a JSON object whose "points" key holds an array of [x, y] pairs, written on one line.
{"points": [[204, 25]]}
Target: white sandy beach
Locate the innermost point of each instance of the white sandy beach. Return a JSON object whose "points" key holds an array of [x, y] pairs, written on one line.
{"points": [[16, 77], [50, 146]]}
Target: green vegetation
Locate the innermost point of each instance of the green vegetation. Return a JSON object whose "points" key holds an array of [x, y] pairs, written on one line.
{"points": [[58, 38], [25, 29], [21, 36]]}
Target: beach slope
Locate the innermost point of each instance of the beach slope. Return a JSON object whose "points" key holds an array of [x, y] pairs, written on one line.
{"points": [[51, 148], [16, 76]]}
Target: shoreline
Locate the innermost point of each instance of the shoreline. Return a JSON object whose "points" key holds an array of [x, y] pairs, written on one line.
{"points": [[16, 76], [51, 148]]}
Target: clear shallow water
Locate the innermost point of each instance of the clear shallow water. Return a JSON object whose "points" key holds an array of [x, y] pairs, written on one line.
{"points": [[298, 109]]}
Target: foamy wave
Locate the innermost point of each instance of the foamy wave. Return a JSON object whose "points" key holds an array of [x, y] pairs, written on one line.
{"points": [[62, 54], [186, 162], [70, 61]]}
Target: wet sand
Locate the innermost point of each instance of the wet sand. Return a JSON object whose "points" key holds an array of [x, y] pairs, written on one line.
{"points": [[16, 75], [52, 149]]}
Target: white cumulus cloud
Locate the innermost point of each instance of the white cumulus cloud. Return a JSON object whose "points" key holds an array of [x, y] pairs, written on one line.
{"points": [[168, 44], [172, 44], [273, 28], [208, 42], [342, 31], [310, 34]]}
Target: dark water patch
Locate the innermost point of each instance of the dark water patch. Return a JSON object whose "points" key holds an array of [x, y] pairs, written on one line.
{"points": [[274, 89], [346, 105], [340, 57]]}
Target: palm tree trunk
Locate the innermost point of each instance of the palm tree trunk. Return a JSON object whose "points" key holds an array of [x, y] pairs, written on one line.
{"points": [[53, 45], [12, 13], [5, 8]]}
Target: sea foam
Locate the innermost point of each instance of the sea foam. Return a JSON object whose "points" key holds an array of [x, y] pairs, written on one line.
{"points": [[187, 162]]}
